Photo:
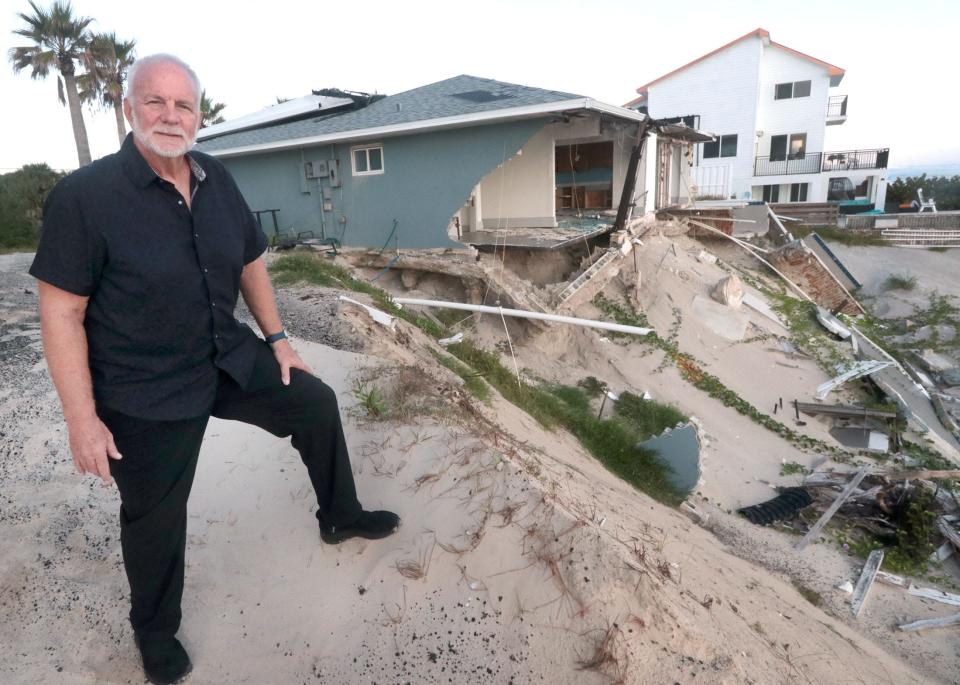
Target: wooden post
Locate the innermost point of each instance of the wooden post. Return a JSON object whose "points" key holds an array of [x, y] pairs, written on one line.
{"points": [[630, 180]]}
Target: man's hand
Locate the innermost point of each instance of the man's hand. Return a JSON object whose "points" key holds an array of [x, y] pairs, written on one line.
{"points": [[91, 443], [288, 359]]}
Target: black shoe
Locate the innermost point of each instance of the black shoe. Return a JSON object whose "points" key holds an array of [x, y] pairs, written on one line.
{"points": [[371, 525], [165, 661]]}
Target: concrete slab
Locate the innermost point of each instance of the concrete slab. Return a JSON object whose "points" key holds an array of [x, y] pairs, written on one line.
{"points": [[726, 322]]}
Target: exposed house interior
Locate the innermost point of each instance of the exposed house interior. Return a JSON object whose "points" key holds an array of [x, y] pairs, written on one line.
{"points": [[584, 176]]}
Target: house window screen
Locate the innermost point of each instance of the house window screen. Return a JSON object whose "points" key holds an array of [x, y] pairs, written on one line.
{"points": [[723, 146], [783, 91], [367, 160]]}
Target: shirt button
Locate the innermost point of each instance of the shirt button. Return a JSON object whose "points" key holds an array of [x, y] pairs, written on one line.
{"points": [[216, 335], [213, 304], [196, 235], [206, 270], [179, 202]]}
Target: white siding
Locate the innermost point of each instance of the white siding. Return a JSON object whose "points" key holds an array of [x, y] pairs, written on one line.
{"points": [[722, 89], [794, 115]]}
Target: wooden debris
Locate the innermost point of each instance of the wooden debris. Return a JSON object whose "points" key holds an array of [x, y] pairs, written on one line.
{"points": [[948, 531], [935, 595], [815, 531], [891, 579], [943, 552], [916, 475], [932, 623], [867, 577]]}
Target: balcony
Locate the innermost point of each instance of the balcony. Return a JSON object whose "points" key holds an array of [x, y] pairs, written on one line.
{"points": [[816, 162], [836, 110], [850, 160], [808, 163]]}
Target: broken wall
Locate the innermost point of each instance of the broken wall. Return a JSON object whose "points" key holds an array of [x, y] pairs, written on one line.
{"points": [[427, 178], [802, 266]]}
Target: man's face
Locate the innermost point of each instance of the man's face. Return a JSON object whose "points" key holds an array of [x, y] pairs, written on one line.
{"points": [[163, 111]]}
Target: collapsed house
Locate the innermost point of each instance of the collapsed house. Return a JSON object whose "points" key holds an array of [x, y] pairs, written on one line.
{"points": [[446, 164]]}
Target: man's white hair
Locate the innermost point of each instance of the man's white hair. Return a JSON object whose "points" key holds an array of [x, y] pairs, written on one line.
{"points": [[134, 73]]}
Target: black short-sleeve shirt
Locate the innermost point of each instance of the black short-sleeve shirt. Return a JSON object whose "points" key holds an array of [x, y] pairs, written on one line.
{"points": [[162, 279]]}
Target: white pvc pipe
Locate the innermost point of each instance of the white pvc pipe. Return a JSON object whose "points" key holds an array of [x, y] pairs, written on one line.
{"points": [[520, 313]]}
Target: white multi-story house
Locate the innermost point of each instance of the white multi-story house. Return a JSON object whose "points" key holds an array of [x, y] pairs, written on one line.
{"points": [[769, 106]]}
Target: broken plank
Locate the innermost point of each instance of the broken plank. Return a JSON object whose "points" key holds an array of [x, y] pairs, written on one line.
{"points": [[814, 532], [948, 532], [916, 475], [891, 579], [867, 577], [942, 553], [932, 623], [935, 595]]}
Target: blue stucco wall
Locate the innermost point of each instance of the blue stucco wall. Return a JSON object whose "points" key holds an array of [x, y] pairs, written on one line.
{"points": [[427, 178]]}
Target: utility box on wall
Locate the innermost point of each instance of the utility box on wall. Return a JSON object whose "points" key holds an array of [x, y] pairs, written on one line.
{"points": [[318, 168]]}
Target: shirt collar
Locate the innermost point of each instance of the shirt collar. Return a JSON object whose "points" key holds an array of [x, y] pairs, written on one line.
{"points": [[139, 169]]}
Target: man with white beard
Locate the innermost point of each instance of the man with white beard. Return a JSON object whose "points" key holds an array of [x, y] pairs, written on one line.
{"points": [[142, 256]]}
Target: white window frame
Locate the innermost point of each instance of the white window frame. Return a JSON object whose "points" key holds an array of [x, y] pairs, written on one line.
{"points": [[367, 148]]}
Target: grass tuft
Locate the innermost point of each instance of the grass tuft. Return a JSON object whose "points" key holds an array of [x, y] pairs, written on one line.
{"points": [[900, 282]]}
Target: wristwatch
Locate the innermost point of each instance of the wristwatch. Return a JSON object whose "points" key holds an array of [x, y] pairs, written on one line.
{"points": [[276, 337]]}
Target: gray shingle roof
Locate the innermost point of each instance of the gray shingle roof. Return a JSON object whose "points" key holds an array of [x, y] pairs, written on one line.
{"points": [[452, 97]]}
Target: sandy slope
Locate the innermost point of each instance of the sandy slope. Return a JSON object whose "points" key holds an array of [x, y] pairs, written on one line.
{"points": [[530, 552]]}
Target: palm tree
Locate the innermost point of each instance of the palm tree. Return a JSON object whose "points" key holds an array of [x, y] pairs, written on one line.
{"points": [[59, 40], [107, 61], [210, 111]]}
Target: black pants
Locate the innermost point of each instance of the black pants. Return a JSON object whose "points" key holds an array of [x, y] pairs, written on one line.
{"points": [[160, 459]]}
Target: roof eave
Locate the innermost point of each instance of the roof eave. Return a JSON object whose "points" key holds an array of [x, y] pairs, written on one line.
{"points": [[427, 125]]}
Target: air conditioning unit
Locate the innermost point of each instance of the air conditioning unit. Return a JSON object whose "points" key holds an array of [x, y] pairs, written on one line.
{"points": [[317, 168]]}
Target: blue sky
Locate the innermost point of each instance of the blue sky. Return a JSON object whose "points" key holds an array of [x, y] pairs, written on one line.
{"points": [[900, 57]]}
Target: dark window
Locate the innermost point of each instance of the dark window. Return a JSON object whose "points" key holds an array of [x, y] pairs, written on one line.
{"points": [[771, 193], [723, 146], [794, 89], [840, 189], [798, 192], [783, 91], [728, 146], [778, 148]]}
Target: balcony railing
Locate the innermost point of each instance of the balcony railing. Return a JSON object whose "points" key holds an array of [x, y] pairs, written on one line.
{"points": [[855, 159], [808, 163], [837, 106], [815, 162]]}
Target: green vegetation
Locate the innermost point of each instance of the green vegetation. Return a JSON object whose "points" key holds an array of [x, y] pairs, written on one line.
{"points": [[914, 537], [370, 399], [945, 190], [900, 282], [472, 380], [792, 468], [694, 374], [648, 418], [22, 194], [612, 441], [307, 267]]}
